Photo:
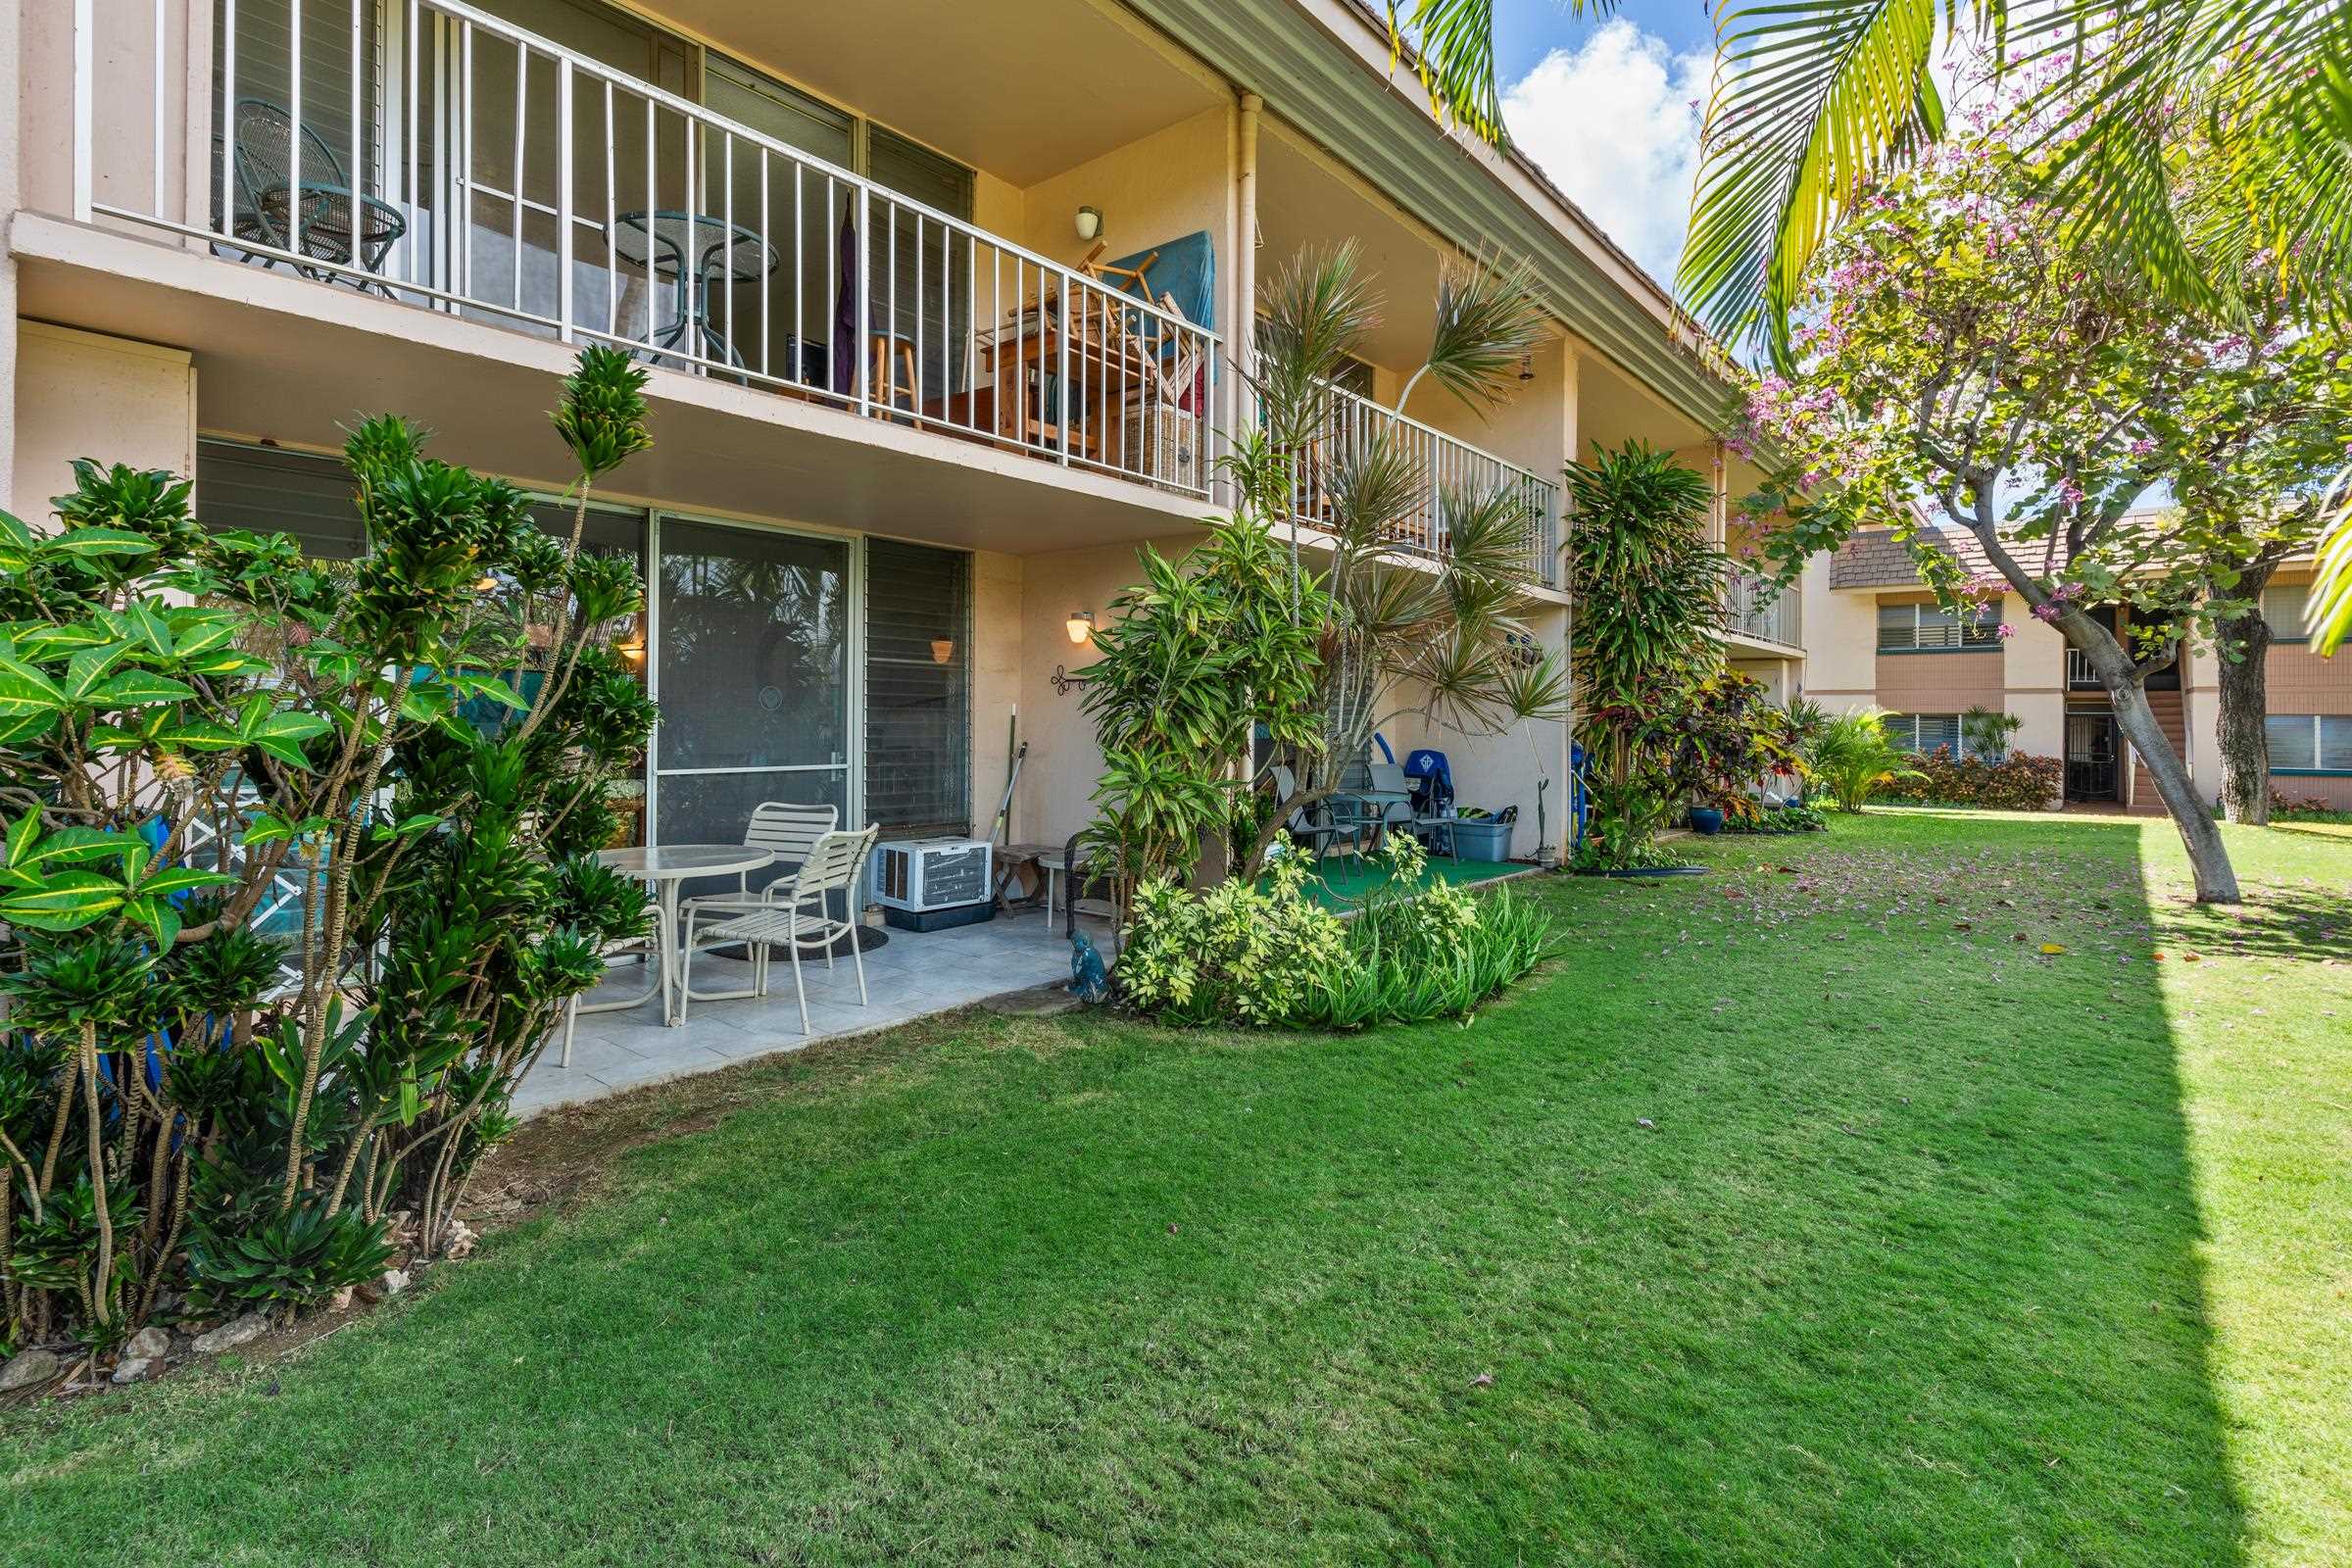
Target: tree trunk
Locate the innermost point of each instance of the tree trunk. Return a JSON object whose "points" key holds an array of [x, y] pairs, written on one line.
{"points": [[2127, 694], [2245, 702]]}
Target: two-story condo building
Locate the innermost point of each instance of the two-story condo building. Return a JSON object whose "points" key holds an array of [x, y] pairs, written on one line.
{"points": [[912, 415], [1880, 639]]}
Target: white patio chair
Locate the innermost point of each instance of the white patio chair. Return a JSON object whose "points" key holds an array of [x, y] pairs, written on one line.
{"points": [[794, 915], [785, 829]]}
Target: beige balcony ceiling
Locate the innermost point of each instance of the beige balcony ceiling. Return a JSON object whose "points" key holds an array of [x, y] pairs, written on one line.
{"points": [[1023, 89]]}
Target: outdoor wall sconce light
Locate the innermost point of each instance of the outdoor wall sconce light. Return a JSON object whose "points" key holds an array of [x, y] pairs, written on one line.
{"points": [[1090, 222], [1526, 366], [1081, 627], [943, 649]]}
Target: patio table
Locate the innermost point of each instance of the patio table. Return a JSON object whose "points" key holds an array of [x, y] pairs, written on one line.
{"points": [[665, 868]]}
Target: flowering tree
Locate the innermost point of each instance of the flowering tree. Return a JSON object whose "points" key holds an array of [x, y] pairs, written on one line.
{"points": [[1961, 362]]}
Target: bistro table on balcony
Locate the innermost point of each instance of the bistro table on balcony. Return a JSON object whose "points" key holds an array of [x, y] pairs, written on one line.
{"points": [[723, 253]]}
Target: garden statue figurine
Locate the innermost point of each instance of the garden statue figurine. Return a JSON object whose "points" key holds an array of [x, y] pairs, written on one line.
{"points": [[1090, 981]]}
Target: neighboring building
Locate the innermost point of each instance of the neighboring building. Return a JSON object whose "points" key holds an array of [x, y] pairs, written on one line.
{"points": [[1878, 639], [889, 474]]}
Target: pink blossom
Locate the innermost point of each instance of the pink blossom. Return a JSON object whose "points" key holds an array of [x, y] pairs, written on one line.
{"points": [[2004, 631]]}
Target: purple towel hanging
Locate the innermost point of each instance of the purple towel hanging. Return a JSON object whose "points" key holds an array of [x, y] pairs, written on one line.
{"points": [[845, 312]]}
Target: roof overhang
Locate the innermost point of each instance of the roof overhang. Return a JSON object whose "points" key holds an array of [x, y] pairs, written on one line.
{"points": [[1322, 67]]}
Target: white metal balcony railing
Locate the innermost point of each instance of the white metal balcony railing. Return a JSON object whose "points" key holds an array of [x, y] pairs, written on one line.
{"points": [[1755, 608], [1450, 467], [2078, 669], [481, 171]]}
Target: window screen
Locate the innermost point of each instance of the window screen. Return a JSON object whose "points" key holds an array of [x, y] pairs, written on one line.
{"points": [[918, 636], [1938, 730], [1933, 626], [2335, 743], [2294, 740], [2283, 608]]}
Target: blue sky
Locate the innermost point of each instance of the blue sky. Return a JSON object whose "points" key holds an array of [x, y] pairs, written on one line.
{"points": [[1526, 31], [1606, 108]]}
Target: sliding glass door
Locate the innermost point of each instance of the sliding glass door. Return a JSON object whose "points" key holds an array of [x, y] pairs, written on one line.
{"points": [[754, 641]]}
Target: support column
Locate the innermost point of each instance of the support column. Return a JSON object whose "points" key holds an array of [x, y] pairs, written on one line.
{"points": [[1243, 333]]}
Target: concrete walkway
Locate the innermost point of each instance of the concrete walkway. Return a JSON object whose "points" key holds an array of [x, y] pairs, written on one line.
{"points": [[909, 976]]}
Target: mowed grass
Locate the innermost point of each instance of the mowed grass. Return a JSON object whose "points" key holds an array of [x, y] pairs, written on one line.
{"points": [[1806, 1212]]}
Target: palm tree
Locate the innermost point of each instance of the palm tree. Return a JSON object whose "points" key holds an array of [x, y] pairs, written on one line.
{"points": [[1814, 100]]}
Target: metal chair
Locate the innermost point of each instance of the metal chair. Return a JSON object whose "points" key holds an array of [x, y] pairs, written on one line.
{"points": [[792, 918], [786, 830], [1301, 823], [327, 220]]}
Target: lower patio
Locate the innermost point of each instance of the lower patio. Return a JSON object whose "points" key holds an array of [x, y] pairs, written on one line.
{"points": [[910, 975]]}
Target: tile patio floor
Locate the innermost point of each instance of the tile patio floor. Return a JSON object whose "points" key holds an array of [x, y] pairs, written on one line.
{"points": [[909, 976]]}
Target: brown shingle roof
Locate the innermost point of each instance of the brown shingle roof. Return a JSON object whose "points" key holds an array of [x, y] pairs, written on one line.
{"points": [[1876, 559]]}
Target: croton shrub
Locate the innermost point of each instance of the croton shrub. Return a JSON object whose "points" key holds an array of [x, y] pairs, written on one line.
{"points": [[2017, 782], [295, 881]]}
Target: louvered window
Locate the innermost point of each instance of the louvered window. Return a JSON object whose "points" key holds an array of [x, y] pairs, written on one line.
{"points": [[1912, 626], [269, 491], [2310, 742], [918, 636]]}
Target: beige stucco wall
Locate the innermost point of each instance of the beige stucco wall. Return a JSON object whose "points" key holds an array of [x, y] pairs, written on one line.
{"points": [[2033, 680], [1842, 639], [122, 49], [1163, 187], [80, 395], [995, 674], [1058, 782], [1536, 428]]}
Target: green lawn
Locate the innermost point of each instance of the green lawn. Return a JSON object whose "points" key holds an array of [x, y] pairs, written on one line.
{"points": [[1800, 1213]]}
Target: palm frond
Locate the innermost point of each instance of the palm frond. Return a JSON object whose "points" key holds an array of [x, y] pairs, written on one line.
{"points": [[2328, 614], [1371, 487], [1311, 317], [1489, 320], [1453, 54], [1487, 535], [1812, 101]]}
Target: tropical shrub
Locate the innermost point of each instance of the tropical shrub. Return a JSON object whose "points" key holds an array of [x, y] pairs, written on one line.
{"points": [[285, 925], [1647, 587], [1987, 731], [2285, 808], [1855, 759], [1798, 818], [1272, 955], [1726, 738], [1196, 658], [2017, 782]]}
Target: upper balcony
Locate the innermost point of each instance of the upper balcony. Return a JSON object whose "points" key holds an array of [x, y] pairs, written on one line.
{"points": [[1755, 608], [629, 186], [1046, 286], [1450, 470]]}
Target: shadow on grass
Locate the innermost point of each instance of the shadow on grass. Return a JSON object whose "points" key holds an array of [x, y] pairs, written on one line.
{"points": [[1768, 1229]]}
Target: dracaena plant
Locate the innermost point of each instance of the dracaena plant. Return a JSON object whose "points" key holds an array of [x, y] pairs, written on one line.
{"points": [[294, 872], [1420, 602]]}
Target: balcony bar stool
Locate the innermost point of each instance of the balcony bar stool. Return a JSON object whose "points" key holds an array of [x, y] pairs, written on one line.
{"points": [[792, 918]]}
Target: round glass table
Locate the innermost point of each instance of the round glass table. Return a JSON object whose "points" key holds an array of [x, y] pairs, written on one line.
{"points": [[665, 868]]}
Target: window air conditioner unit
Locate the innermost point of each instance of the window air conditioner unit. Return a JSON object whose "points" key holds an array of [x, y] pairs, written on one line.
{"points": [[929, 884]]}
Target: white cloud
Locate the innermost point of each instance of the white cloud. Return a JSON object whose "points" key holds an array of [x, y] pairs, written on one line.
{"points": [[1613, 122]]}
